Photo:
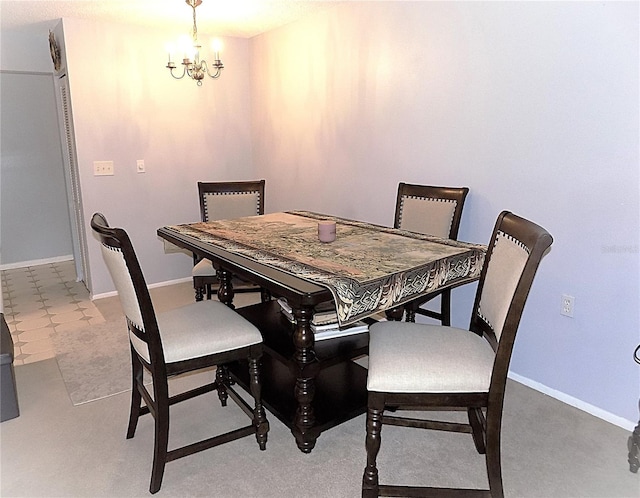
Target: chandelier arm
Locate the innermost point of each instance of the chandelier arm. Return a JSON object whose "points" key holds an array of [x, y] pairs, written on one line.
{"points": [[218, 67], [184, 72]]}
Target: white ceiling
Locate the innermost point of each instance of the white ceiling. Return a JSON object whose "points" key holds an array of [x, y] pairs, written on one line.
{"points": [[241, 18]]}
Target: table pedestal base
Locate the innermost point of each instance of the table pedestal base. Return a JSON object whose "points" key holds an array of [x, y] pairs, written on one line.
{"points": [[322, 394]]}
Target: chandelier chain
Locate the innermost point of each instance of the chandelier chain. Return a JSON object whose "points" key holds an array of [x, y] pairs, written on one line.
{"points": [[195, 26]]}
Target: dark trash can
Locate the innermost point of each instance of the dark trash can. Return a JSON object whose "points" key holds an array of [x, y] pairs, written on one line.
{"points": [[8, 397]]}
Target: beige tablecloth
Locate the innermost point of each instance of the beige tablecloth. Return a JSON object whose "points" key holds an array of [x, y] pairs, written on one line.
{"points": [[368, 268]]}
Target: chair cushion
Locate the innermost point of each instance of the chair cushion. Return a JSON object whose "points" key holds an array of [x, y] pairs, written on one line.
{"points": [[203, 268], [504, 271], [229, 205], [417, 358], [427, 215], [200, 329]]}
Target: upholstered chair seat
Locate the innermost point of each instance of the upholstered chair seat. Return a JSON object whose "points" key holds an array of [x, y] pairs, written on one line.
{"points": [[418, 358], [203, 268], [199, 339]]}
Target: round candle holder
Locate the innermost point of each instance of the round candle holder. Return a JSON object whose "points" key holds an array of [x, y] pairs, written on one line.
{"points": [[326, 231]]}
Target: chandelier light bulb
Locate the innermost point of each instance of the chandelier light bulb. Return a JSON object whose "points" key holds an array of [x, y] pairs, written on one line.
{"points": [[216, 45]]}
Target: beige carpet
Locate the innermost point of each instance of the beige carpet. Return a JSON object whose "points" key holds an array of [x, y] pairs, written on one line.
{"points": [[549, 449], [55, 449]]}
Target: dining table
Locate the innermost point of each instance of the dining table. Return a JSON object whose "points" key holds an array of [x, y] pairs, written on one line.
{"points": [[368, 273]]}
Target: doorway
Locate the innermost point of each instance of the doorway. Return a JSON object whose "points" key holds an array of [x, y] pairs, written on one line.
{"points": [[35, 220]]}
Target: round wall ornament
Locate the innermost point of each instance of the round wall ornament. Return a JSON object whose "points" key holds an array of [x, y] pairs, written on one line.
{"points": [[55, 51]]}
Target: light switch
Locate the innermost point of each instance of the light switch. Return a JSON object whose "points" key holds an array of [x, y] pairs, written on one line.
{"points": [[140, 165], [102, 168]]}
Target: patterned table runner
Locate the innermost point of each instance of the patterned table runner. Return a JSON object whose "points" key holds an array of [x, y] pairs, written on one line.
{"points": [[368, 268]]}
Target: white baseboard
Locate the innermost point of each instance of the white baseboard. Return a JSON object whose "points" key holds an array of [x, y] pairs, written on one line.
{"points": [[575, 402], [151, 286], [36, 262]]}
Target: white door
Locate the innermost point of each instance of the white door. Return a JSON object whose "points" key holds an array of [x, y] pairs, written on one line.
{"points": [[74, 194]]}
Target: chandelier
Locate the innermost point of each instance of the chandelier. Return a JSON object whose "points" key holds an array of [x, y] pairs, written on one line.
{"points": [[193, 67]]}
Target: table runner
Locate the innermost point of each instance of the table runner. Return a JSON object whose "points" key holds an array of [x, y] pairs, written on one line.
{"points": [[368, 268]]}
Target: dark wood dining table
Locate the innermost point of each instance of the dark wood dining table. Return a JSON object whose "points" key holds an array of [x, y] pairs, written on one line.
{"points": [[368, 271]]}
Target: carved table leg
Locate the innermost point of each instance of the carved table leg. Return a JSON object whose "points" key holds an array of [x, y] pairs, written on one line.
{"points": [[225, 291], [305, 387], [634, 448], [395, 314]]}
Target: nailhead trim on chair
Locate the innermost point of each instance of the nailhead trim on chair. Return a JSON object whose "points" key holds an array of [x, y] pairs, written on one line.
{"points": [[429, 199]]}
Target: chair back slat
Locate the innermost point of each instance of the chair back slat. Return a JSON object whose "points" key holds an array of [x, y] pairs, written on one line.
{"points": [[224, 206], [430, 210], [228, 200], [516, 248], [124, 268], [505, 268], [114, 259], [427, 215]]}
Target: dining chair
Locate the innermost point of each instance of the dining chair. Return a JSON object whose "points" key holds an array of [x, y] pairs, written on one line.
{"points": [[193, 337], [416, 366], [435, 211], [219, 201], [633, 442]]}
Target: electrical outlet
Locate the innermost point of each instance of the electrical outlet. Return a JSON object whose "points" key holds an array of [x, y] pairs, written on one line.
{"points": [[566, 307], [140, 165], [102, 168]]}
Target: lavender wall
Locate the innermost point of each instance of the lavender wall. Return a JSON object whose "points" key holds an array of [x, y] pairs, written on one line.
{"points": [[127, 107], [534, 106]]}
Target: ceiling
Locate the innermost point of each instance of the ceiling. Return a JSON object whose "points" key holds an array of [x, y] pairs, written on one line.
{"points": [[241, 18]]}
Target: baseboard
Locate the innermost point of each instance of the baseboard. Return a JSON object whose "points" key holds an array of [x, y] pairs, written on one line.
{"points": [[575, 402], [36, 262], [151, 286]]}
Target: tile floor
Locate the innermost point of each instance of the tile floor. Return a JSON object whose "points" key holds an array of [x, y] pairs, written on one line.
{"points": [[39, 300]]}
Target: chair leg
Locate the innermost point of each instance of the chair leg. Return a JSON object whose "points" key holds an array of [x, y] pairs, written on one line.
{"points": [[477, 429], [494, 468], [259, 417], [161, 439], [634, 450], [136, 399], [265, 295], [222, 380], [209, 291], [372, 443], [410, 314], [445, 307], [199, 294], [494, 471]]}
